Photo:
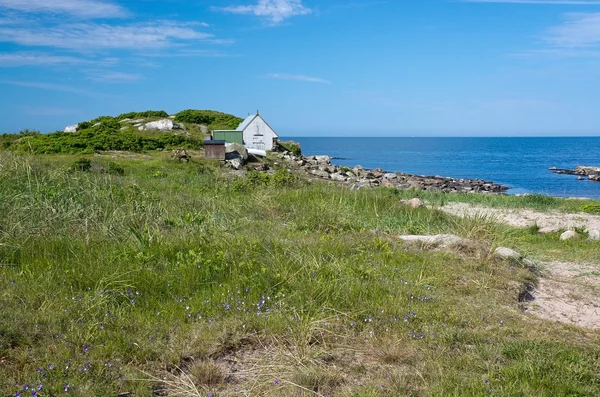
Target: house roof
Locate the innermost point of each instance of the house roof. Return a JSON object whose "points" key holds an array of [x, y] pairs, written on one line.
{"points": [[246, 122], [249, 120]]}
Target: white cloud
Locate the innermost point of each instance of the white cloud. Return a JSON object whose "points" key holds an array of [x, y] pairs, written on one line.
{"points": [[78, 8], [91, 37], [115, 77], [274, 10], [297, 77], [577, 30], [48, 86], [35, 59]]}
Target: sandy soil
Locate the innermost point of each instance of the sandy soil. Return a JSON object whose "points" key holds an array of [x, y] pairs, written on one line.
{"points": [[567, 292], [519, 217]]}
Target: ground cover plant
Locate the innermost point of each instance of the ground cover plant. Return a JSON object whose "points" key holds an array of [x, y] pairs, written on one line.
{"points": [[174, 278]]}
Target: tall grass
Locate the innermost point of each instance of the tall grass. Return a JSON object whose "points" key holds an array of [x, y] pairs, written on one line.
{"points": [[173, 278]]}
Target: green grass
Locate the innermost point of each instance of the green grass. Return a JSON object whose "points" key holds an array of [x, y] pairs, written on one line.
{"points": [[171, 275]]}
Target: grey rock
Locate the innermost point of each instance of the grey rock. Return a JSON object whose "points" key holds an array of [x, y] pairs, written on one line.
{"points": [[415, 203], [233, 150], [593, 234], [438, 241], [506, 253], [236, 163], [390, 175], [323, 159], [568, 235], [338, 177], [549, 229], [319, 173]]}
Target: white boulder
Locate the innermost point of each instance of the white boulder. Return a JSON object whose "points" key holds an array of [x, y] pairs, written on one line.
{"points": [[71, 128], [593, 234], [568, 235], [160, 125], [506, 253]]}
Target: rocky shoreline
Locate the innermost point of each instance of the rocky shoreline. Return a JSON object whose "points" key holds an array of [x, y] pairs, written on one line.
{"points": [[582, 172], [359, 178]]}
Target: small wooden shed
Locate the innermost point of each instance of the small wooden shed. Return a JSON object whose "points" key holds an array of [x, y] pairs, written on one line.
{"points": [[214, 149]]}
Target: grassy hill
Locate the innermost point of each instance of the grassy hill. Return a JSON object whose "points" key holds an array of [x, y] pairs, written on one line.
{"points": [[121, 133], [180, 279]]}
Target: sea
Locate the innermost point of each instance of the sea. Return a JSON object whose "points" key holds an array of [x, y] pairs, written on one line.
{"points": [[522, 163]]}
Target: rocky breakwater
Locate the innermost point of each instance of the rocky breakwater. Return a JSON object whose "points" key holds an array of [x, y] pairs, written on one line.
{"points": [[582, 172], [359, 177]]}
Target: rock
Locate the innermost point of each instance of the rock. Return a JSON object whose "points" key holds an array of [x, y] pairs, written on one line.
{"points": [[415, 203], [233, 150], [236, 163], [320, 174], [71, 128], [338, 177], [548, 229], [568, 235], [124, 120], [160, 125], [137, 121], [390, 175], [204, 129], [97, 124], [593, 234], [580, 178], [438, 241], [323, 159], [123, 128], [594, 178], [506, 253]]}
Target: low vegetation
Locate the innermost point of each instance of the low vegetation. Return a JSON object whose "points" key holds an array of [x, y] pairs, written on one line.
{"points": [[178, 279], [213, 119]]}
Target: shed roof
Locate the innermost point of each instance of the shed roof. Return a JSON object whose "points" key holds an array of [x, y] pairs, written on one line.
{"points": [[246, 122], [214, 142]]}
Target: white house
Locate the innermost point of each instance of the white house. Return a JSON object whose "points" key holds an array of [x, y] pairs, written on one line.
{"points": [[256, 133]]}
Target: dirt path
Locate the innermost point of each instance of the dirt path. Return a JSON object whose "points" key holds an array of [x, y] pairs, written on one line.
{"points": [[567, 292], [521, 217]]}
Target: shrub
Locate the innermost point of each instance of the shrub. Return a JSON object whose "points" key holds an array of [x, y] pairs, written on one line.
{"points": [[292, 147], [591, 208], [142, 115], [82, 164], [215, 120], [283, 177], [115, 169]]}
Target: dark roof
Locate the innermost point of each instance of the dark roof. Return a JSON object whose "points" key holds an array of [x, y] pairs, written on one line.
{"points": [[214, 142]]}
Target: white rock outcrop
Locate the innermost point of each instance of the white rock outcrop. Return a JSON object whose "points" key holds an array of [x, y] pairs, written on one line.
{"points": [[71, 128], [568, 235], [161, 125]]}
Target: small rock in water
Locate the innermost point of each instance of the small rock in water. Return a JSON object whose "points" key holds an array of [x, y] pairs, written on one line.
{"points": [[594, 234], [506, 253], [415, 203], [568, 235]]}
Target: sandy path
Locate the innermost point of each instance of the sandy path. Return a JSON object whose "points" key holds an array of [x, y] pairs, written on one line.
{"points": [[520, 217], [567, 292]]}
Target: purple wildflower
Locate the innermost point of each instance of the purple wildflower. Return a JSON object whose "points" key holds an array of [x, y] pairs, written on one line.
{"points": [[66, 388], [276, 382], [85, 348]]}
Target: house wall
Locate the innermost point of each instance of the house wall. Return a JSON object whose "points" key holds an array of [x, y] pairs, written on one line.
{"points": [[228, 136], [259, 135]]}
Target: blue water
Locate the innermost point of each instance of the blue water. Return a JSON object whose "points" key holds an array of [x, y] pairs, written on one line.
{"points": [[519, 163]]}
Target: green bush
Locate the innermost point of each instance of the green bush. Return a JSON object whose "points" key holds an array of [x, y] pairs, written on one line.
{"points": [[215, 120], [591, 208], [82, 164], [142, 115], [292, 147], [115, 169]]}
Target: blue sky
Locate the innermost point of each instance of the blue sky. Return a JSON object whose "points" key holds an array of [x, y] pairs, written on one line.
{"points": [[312, 67]]}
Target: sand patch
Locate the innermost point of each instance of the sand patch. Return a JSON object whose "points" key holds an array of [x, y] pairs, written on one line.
{"points": [[522, 217], [568, 293]]}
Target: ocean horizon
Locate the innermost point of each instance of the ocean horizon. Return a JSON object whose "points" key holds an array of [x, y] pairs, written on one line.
{"points": [[521, 163]]}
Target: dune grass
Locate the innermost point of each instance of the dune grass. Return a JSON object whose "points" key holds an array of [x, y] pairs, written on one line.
{"points": [[174, 279]]}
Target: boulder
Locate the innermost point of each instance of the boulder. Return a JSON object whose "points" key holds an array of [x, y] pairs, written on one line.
{"points": [[236, 163], [594, 178], [338, 177], [438, 241], [506, 253], [161, 125], [323, 159], [320, 174], [390, 175], [233, 150], [548, 229], [568, 235], [204, 129], [593, 234], [415, 203], [71, 128]]}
